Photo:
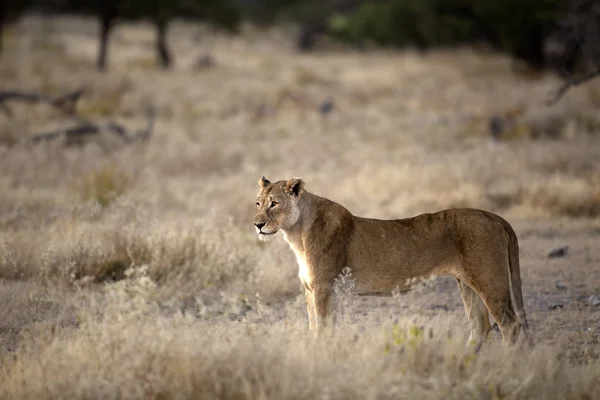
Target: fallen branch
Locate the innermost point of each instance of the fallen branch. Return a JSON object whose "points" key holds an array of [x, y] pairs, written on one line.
{"points": [[66, 102], [90, 129]]}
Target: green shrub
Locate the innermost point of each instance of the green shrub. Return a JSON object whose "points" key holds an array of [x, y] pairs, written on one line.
{"points": [[514, 26], [104, 185]]}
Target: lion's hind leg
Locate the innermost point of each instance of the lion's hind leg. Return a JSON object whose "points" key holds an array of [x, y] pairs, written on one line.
{"points": [[477, 314], [498, 302]]}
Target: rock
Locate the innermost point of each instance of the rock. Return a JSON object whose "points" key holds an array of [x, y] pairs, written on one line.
{"points": [[233, 316], [594, 300], [439, 307], [555, 306], [496, 125], [204, 62], [560, 285], [326, 107], [558, 252]]}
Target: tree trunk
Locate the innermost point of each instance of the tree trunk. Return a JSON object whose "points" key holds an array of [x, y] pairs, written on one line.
{"points": [[3, 15], [532, 51], [108, 13], [308, 35], [162, 48]]}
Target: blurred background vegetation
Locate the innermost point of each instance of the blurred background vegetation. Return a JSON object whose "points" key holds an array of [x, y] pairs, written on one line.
{"points": [[535, 31]]}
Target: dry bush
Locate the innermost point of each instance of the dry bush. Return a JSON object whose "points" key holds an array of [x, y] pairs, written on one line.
{"points": [[29, 311], [564, 196], [102, 250], [98, 245]]}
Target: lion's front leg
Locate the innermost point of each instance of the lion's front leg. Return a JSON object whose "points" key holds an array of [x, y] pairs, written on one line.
{"points": [[324, 300], [310, 308]]}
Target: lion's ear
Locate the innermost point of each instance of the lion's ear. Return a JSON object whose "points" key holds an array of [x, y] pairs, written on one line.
{"points": [[294, 186], [263, 182]]}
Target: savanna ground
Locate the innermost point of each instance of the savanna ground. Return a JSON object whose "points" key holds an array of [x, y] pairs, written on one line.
{"points": [[134, 271]]}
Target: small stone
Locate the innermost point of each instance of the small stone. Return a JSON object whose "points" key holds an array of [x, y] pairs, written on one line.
{"points": [[560, 285], [204, 62], [555, 306], [326, 107], [439, 307], [594, 300], [559, 252]]}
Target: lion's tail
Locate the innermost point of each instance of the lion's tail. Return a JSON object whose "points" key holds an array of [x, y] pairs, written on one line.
{"points": [[514, 277]]}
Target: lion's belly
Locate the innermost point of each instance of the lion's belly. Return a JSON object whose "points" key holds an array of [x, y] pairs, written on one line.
{"points": [[382, 270], [385, 279]]}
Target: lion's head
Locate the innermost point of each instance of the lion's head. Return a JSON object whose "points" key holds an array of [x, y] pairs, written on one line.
{"points": [[277, 205]]}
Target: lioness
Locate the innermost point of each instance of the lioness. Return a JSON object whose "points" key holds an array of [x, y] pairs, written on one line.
{"points": [[478, 248]]}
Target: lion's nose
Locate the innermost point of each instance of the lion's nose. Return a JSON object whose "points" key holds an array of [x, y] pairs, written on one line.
{"points": [[260, 225]]}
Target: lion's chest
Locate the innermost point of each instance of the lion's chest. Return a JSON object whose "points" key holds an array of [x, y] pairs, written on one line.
{"points": [[304, 272]]}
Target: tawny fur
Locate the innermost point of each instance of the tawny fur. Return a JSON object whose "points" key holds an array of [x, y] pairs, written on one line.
{"points": [[479, 248]]}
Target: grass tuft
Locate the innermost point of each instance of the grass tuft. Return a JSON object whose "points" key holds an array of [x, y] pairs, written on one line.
{"points": [[104, 185]]}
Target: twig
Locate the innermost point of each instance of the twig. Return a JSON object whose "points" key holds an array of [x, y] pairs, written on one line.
{"points": [[570, 83], [87, 129], [68, 101], [90, 129], [147, 132], [65, 102]]}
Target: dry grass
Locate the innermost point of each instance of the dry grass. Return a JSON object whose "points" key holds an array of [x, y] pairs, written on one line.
{"points": [[104, 185], [134, 272], [175, 357]]}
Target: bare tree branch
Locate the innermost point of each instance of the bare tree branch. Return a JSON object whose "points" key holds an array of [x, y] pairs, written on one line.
{"points": [[581, 34], [570, 82]]}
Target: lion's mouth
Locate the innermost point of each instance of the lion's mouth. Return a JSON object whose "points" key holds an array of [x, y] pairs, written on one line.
{"points": [[264, 236], [260, 232]]}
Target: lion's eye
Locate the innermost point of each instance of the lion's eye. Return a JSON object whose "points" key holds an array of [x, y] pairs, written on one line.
{"points": [[257, 204], [273, 204]]}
